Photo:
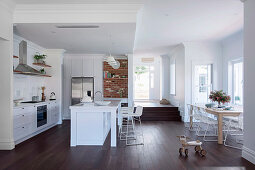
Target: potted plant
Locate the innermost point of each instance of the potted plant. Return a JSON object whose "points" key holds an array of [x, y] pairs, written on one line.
{"points": [[42, 71], [220, 97], [39, 57]]}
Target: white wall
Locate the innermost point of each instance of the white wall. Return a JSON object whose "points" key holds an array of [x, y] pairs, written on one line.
{"points": [[187, 55], [165, 77], [202, 53], [27, 86], [178, 100], [249, 81], [232, 49], [6, 76]]}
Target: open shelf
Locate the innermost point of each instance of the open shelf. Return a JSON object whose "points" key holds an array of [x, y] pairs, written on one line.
{"points": [[115, 78], [42, 65], [30, 74], [15, 56]]}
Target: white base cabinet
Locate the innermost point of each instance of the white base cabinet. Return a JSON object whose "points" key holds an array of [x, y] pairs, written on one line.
{"points": [[25, 120]]}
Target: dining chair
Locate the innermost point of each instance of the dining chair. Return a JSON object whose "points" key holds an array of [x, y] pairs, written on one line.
{"points": [[234, 124]]}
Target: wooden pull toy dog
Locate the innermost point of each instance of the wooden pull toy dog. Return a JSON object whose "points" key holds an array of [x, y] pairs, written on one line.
{"points": [[198, 146]]}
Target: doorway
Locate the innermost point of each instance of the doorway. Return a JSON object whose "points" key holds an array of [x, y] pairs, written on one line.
{"points": [[144, 82], [202, 83]]}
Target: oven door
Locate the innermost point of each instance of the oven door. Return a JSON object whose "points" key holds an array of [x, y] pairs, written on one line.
{"points": [[41, 115]]}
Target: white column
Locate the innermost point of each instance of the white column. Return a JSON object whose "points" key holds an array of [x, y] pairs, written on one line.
{"points": [[54, 84], [249, 81], [130, 80], [165, 84], [6, 76]]}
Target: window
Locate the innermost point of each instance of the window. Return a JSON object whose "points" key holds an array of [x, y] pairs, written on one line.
{"points": [[237, 82]]}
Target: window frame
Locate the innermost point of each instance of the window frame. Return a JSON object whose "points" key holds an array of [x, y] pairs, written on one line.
{"points": [[231, 87]]}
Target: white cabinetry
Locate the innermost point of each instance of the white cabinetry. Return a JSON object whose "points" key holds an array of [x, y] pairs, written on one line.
{"points": [[77, 66], [54, 112], [25, 120], [88, 66]]}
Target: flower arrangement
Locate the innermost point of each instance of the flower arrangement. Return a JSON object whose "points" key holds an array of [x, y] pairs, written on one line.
{"points": [[219, 96]]}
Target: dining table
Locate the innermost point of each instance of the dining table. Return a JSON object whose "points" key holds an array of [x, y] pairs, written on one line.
{"points": [[219, 113]]}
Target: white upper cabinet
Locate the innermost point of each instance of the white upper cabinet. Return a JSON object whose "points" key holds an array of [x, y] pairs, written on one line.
{"points": [[98, 74], [77, 66], [88, 66]]}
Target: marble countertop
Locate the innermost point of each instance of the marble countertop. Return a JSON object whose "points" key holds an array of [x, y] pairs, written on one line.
{"points": [[113, 104], [33, 104]]}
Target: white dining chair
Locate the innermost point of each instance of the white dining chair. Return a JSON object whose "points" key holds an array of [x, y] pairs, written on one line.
{"points": [[234, 128]]}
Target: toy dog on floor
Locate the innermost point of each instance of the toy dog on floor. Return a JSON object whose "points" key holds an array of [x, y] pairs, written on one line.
{"points": [[198, 146]]}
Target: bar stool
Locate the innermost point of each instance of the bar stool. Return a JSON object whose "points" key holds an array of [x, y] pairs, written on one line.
{"points": [[124, 111], [131, 135]]}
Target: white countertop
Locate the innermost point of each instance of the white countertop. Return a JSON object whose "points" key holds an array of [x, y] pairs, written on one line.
{"points": [[114, 104], [33, 104]]}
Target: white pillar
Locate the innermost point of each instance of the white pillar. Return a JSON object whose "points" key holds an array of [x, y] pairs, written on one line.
{"points": [[130, 80], [165, 84], [55, 83], [6, 76], [249, 81]]}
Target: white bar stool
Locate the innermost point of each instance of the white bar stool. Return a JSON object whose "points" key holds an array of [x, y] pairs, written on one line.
{"points": [[131, 135]]}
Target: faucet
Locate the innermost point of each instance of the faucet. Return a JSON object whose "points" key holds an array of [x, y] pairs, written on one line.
{"points": [[101, 95]]}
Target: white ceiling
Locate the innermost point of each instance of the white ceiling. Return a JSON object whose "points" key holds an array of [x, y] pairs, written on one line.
{"points": [[161, 24], [164, 23], [119, 38], [77, 1]]}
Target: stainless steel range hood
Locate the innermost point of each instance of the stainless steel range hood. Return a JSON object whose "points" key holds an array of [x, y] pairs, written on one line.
{"points": [[23, 68]]}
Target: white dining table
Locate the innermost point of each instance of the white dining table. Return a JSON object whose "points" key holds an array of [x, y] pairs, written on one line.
{"points": [[217, 112]]}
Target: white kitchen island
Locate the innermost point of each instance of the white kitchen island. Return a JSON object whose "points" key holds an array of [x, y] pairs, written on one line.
{"points": [[90, 123]]}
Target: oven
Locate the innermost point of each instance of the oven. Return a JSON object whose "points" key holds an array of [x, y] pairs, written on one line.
{"points": [[41, 115]]}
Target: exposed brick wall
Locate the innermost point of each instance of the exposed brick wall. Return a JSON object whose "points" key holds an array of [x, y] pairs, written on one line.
{"points": [[112, 86]]}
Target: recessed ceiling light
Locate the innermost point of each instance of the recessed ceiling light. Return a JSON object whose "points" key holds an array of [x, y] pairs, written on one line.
{"points": [[77, 26]]}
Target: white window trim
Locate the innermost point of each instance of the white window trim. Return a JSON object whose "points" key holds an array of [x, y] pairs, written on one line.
{"points": [[231, 78]]}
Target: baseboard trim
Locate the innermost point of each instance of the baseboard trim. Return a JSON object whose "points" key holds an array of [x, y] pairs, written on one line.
{"points": [[7, 145], [34, 134], [248, 154]]}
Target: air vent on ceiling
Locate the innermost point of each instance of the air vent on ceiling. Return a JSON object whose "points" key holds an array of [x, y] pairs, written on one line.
{"points": [[147, 60], [77, 26]]}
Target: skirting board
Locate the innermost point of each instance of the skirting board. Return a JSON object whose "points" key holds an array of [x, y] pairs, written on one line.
{"points": [[248, 154], [7, 145]]}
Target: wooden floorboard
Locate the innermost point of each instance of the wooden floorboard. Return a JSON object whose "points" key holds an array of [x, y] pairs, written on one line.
{"points": [[51, 151]]}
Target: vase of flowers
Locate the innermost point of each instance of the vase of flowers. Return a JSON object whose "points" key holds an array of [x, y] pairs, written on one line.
{"points": [[220, 97]]}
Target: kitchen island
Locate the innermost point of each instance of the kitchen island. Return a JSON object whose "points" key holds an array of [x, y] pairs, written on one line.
{"points": [[91, 123]]}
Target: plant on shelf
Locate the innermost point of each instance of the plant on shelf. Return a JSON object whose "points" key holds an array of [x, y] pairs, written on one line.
{"points": [[121, 92], [220, 97], [42, 71], [39, 58]]}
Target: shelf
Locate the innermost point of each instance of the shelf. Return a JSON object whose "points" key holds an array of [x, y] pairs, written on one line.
{"points": [[42, 65], [15, 56], [30, 74], [115, 78]]}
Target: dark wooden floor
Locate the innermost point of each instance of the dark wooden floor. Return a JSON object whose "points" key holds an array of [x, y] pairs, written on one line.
{"points": [[51, 151]]}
